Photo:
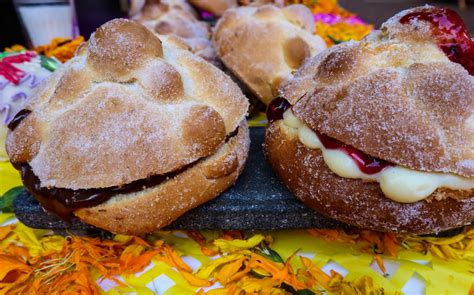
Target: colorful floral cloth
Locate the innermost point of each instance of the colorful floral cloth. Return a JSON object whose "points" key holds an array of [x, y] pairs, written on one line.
{"points": [[335, 24], [36, 261], [63, 49]]}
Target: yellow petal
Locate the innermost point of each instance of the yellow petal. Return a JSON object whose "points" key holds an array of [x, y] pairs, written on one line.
{"points": [[6, 230], [237, 245], [6, 216], [228, 270], [194, 280], [206, 271]]}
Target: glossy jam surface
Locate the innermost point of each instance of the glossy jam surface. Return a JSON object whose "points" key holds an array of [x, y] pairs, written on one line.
{"points": [[367, 164], [450, 32], [276, 109]]}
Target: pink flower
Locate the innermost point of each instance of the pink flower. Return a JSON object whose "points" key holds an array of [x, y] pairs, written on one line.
{"points": [[327, 18], [354, 20], [332, 19], [206, 15]]}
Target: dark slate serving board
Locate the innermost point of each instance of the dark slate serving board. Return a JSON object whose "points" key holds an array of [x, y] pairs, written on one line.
{"points": [[258, 201]]}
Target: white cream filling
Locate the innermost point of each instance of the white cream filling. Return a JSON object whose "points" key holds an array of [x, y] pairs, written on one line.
{"points": [[397, 183]]}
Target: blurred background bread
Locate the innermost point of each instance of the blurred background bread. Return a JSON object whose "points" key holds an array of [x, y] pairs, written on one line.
{"points": [[263, 45], [216, 7], [178, 18]]}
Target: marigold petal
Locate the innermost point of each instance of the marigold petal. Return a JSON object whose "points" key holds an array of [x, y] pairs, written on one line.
{"points": [[380, 263], [231, 246], [5, 231], [194, 280], [10, 263], [206, 271], [226, 273]]}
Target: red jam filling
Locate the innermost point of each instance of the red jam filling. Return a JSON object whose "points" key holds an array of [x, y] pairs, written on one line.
{"points": [[10, 72], [450, 32], [367, 164], [276, 109]]}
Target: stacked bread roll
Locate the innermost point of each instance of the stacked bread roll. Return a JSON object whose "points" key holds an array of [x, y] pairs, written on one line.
{"points": [[177, 18], [264, 45]]}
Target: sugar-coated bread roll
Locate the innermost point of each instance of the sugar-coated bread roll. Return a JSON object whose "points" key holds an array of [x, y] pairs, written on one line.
{"points": [[172, 17], [379, 133], [216, 7], [178, 18], [263, 45], [131, 133]]}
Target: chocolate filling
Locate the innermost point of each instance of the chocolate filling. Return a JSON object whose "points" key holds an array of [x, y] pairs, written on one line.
{"points": [[63, 201], [20, 116]]}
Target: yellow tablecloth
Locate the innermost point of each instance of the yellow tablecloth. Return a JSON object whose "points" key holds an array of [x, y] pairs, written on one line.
{"points": [[214, 262]]}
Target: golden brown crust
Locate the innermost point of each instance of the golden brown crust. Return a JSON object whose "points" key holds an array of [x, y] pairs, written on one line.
{"points": [[201, 47], [93, 132], [120, 47], [216, 7], [263, 45], [27, 139], [395, 96], [177, 18], [354, 201], [210, 85], [152, 9], [158, 206], [178, 22]]}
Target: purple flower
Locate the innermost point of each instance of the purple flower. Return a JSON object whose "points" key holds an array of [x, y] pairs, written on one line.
{"points": [[206, 15], [327, 18], [7, 109], [3, 84], [332, 19], [354, 20], [18, 96]]}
